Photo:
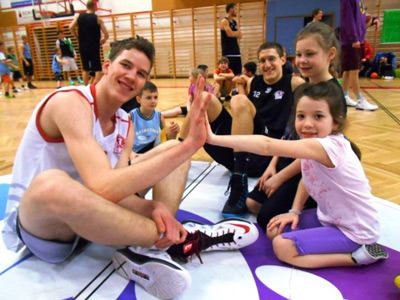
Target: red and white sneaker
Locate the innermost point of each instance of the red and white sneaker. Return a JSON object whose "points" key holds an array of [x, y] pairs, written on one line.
{"points": [[228, 234], [154, 270]]}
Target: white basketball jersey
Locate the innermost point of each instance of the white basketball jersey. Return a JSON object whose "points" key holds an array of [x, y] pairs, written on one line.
{"points": [[37, 152]]}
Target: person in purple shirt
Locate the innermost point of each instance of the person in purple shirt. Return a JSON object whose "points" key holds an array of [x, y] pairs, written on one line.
{"points": [[353, 26]]}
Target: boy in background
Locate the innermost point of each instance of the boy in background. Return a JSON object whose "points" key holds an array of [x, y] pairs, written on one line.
{"points": [[148, 122], [14, 68], [26, 56], [68, 53], [56, 66], [5, 71], [223, 79], [248, 72]]}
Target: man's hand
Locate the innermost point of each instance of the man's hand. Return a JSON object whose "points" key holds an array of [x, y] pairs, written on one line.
{"points": [[170, 230], [174, 127], [356, 45], [27, 63], [172, 130], [198, 123]]}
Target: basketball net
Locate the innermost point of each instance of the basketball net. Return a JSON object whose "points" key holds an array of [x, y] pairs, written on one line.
{"points": [[45, 19]]}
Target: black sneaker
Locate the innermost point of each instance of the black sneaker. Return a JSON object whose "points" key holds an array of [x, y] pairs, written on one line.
{"points": [[153, 270], [235, 92], [228, 98], [31, 86], [236, 204]]}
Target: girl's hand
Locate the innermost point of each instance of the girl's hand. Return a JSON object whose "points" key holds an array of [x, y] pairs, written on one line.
{"points": [[282, 220], [272, 184], [269, 172]]}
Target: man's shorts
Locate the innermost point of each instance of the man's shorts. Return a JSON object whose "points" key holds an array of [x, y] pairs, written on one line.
{"points": [[28, 70], [235, 63], [5, 78], [351, 57], [311, 237], [71, 66], [91, 59], [58, 76], [49, 251], [222, 125]]}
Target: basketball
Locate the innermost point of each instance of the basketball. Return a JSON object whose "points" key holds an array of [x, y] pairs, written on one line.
{"points": [[374, 75], [397, 281]]}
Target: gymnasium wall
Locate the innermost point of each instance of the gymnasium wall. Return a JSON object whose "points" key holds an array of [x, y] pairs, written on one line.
{"points": [[159, 5]]}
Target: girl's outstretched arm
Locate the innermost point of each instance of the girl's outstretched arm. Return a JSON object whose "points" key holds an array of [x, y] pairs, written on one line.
{"points": [[262, 145]]}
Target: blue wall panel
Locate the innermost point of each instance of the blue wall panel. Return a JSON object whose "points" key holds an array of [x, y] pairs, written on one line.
{"points": [[287, 28]]}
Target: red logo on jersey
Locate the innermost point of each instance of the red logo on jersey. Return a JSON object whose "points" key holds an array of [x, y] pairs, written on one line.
{"points": [[119, 144]]}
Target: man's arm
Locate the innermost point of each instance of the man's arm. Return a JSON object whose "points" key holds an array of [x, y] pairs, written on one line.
{"points": [[73, 26], [225, 26], [126, 152], [103, 30], [90, 159]]}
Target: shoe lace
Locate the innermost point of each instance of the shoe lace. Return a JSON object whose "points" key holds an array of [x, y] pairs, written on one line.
{"points": [[191, 246], [221, 237], [226, 193]]}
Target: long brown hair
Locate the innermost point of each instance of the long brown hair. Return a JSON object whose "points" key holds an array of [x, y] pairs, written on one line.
{"points": [[325, 37]]}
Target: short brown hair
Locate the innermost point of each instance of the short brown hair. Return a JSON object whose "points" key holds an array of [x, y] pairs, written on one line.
{"points": [[90, 5], [271, 45], [223, 59], [139, 43]]}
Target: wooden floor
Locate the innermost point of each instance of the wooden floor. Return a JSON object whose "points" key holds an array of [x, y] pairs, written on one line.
{"points": [[376, 133]]}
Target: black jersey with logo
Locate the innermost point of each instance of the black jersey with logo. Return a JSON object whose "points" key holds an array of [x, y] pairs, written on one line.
{"points": [[273, 103], [89, 31], [230, 45]]}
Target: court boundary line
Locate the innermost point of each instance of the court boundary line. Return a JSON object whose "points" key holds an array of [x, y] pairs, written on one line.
{"points": [[384, 108]]}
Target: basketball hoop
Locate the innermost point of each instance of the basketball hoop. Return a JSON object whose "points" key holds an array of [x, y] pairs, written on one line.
{"points": [[45, 19]]}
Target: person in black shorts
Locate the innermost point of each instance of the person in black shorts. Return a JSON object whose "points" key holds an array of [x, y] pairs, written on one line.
{"points": [[27, 63], [230, 34], [90, 27], [265, 110]]}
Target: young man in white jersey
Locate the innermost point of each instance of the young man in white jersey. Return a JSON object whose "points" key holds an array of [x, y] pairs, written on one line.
{"points": [[73, 180]]}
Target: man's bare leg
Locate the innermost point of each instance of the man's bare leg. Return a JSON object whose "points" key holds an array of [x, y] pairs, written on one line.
{"points": [[56, 207], [169, 190], [243, 113], [213, 111]]}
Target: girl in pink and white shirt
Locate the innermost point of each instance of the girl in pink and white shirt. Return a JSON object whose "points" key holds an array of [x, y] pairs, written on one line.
{"points": [[344, 228]]}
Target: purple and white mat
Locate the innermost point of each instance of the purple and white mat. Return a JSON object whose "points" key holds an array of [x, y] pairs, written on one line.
{"points": [[251, 273]]}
